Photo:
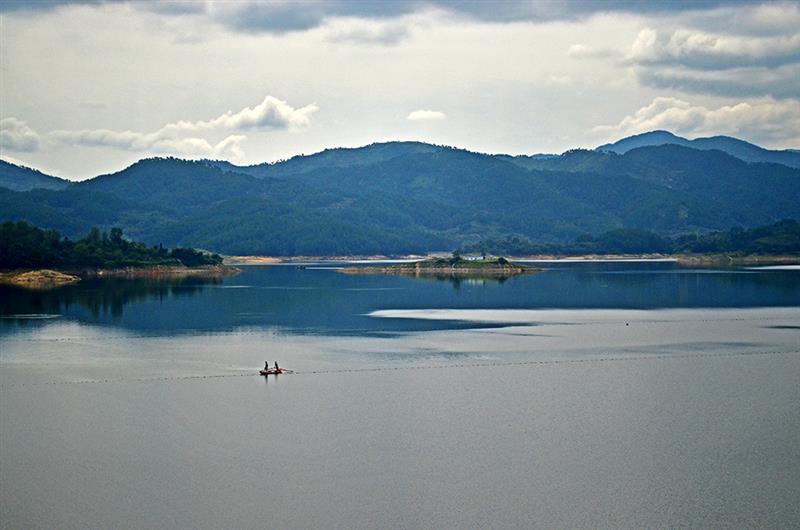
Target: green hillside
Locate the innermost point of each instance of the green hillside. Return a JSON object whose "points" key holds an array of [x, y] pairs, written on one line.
{"points": [[412, 197], [21, 178]]}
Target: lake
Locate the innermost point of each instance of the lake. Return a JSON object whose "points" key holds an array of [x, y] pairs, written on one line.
{"points": [[594, 394]]}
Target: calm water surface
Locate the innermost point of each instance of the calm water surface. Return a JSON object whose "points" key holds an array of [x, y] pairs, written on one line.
{"points": [[592, 395]]}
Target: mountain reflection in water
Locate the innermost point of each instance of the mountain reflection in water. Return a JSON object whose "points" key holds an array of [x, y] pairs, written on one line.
{"points": [[322, 301], [99, 296]]}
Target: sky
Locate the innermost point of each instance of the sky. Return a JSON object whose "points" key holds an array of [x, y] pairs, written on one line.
{"points": [[88, 88]]}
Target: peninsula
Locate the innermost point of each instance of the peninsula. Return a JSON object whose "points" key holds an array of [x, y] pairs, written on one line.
{"points": [[42, 259]]}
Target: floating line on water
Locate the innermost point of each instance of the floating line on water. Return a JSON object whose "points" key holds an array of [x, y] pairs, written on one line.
{"points": [[502, 364], [492, 364]]}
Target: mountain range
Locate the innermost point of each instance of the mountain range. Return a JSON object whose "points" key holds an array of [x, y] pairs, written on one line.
{"points": [[400, 197]]}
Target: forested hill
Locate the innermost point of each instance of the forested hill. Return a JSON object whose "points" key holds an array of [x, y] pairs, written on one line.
{"points": [[339, 157], [401, 197], [781, 238], [21, 178]]}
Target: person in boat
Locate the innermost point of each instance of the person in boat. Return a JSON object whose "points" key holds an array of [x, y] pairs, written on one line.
{"points": [[266, 365], [277, 368]]}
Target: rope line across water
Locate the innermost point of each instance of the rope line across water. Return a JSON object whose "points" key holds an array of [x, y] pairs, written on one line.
{"points": [[492, 364]]}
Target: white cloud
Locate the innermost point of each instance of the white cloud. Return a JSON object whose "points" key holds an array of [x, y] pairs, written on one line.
{"points": [[151, 142], [271, 113], [583, 51], [360, 31], [230, 147], [579, 51], [15, 135], [426, 115], [764, 120], [698, 49], [388, 31]]}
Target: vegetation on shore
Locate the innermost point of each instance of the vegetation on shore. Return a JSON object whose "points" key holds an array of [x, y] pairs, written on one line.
{"points": [[781, 238], [455, 266], [735, 260], [24, 246]]}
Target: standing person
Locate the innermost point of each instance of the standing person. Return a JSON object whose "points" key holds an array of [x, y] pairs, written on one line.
{"points": [[277, 368], [266, 365]]}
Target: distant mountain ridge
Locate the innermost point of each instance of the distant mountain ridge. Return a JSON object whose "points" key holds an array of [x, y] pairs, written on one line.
{"points": [[337, 157], [733, 146], [21, 178], [402, 197]]}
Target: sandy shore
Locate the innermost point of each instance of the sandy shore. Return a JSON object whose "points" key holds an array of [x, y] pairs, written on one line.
{"points": [[50, 279], [251, 260], [38, 279]]}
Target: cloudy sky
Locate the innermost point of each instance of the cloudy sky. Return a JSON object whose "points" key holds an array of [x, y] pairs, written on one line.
{"points": [[90, 87]]}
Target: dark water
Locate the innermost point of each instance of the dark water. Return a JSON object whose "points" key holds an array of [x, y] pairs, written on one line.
{"points": [[318, 300], [592, 395]]}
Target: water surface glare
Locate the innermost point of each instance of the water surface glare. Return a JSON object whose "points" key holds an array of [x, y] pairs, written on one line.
{"points": [[650, 397]]}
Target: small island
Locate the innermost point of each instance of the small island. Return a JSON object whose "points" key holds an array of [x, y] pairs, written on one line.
{"points": [[452, 267], [42, 259]]}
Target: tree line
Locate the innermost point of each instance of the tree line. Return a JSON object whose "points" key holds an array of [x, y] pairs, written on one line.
{"points": [[24, 246], [782, 237]]}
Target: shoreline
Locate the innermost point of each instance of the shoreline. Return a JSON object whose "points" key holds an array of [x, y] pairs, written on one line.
{"points": [[160, 271], [43, 279], [694, 260], [405, 265], [733, 260]]}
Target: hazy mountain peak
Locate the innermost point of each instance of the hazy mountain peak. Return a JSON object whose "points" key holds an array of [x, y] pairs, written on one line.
{"points": [[733, 146]]}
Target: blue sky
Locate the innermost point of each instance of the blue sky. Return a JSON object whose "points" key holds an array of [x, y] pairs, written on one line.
{"points": [[90, 87]]}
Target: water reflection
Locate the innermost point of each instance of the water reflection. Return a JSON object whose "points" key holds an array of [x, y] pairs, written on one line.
{"points": [[456, 282], [100, 297], [318, 301]]}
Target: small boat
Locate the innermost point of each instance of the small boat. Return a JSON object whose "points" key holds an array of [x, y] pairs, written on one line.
{"points": [[271, 371]]}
